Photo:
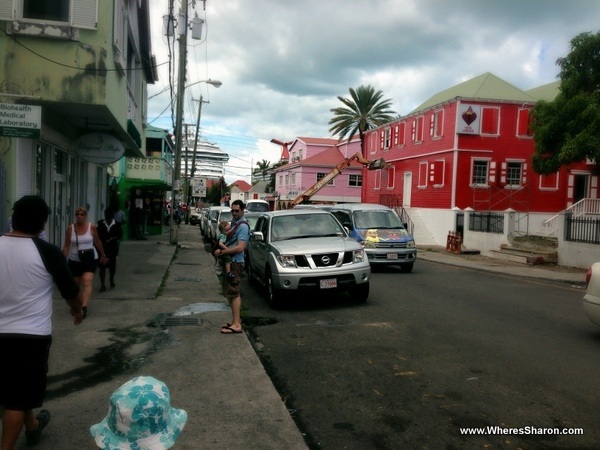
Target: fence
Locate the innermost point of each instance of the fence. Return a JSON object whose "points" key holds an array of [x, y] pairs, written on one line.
{"points": [[488, 222], [582, 229]]}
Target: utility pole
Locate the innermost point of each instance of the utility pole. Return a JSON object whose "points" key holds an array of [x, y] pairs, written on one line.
{"points": [[176, 185], [193, 169]]}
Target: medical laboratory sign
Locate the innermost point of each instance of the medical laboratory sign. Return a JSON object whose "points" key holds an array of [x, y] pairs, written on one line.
{"points": [[22, 121]]}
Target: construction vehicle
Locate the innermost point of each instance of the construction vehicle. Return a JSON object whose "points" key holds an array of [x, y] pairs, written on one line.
{"points": [[371, 165]]}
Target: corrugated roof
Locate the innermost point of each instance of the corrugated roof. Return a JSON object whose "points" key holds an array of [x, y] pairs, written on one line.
{"points": [[156, 133], [259, 186], [485, 87], [546, 92]]}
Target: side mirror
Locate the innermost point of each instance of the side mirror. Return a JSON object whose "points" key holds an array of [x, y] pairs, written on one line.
{"points": [[257, 236]]}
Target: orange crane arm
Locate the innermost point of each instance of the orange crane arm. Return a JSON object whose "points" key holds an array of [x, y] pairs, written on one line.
{"points": [[371, 165]]}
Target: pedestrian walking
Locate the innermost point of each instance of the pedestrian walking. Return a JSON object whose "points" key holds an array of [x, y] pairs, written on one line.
{"points": [[236, 244], [81, 248], [29, 266], [109, 232]]}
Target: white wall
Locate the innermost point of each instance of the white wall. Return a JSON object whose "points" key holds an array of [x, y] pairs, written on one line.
{"points": [[575, 254]]}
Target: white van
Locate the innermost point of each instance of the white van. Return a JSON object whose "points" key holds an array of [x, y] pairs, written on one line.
{"points": [[380, 231], [257, 206]]}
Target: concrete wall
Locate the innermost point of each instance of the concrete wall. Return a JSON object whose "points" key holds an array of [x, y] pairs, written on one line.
{"points": [[575, 254]]}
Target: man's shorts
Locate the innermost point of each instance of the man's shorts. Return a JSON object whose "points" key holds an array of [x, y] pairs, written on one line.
{"points": [[25, 367], [231, 288]]}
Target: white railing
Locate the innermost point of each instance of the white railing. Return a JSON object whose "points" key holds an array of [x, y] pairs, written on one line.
{"points": [[586, 206]]}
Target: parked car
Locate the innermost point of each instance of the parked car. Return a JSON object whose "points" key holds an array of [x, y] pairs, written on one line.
{"points": [[257, 206], [325, 206], [204, 221], [591, 300], [381, 232], [306, 250], [217, 214], [195, 216], [252, 218]]}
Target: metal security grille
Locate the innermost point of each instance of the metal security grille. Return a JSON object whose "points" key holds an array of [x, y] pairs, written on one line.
{"points": [[582, 229], [488, 222]]}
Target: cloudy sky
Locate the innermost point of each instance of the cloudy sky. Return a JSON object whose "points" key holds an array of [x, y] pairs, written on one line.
{"points": [[283, 63]]}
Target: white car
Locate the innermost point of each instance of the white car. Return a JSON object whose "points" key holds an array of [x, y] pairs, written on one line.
{"points": [[591, 300], [306, 251]]}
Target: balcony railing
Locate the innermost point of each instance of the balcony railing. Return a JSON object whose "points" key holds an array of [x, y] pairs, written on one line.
{"points": [[149, 169]]}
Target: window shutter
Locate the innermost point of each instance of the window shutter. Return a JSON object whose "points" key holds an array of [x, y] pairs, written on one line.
{"points": [[119, 35], [6, 10], [431, 124], [24, 164], [396, 135], [414, 130], [85, 14]]}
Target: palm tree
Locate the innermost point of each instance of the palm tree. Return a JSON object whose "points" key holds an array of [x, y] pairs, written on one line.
{"points": [[363, 111], [262, 169]]}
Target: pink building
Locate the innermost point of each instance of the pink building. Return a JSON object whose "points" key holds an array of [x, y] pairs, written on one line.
{"points": [[311, 159]]}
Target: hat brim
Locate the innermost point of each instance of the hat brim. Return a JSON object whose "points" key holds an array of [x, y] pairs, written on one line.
{"points": [[107, 440]]}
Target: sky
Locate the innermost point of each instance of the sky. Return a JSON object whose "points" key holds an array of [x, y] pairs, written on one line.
{"points": [[283, 63]]}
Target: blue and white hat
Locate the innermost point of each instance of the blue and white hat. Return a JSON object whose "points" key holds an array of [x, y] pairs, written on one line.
{"points": [[140, 417]]}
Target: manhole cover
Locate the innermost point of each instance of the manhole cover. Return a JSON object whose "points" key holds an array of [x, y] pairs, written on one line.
{"points": [[193, 280], [179, 321]]}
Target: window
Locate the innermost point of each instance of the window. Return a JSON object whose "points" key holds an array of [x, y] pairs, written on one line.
{"points": [[417, 130], [513, 173], [321, 175], [549, 182], [293, 179], [436, 174], [49, 13], [524, 123], [490, 120], [399, 139], [435, 126], [372, 142], [52, 10], [480, 173], [386, 138], [377, 179], [391, 173], [422, 181], [355, 180]]}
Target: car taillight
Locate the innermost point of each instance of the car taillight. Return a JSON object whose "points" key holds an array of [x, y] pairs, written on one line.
{"points": [[588, 276]]}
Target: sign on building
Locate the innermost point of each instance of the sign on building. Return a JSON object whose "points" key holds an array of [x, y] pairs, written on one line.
{"points": [[22, 121]]}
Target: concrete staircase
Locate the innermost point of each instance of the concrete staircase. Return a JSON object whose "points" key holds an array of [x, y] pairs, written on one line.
{"points": [[421, 232], [531, 250]]}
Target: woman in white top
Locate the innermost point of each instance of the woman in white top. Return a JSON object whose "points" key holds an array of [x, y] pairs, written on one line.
{"points": [[82, 235]]}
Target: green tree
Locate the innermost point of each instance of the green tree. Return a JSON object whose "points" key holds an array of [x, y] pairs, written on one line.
{"points": [[364, 110], [567, 130], [262, 169]]}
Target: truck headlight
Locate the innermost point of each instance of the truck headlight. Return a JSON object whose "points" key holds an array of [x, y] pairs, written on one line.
{"points": [[287, 260], [358, 256], [410, 244]]}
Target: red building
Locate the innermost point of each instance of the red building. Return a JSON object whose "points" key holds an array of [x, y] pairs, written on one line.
{"points": [[470, 148]]}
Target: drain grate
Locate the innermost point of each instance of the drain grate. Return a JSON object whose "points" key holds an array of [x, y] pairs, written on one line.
{"points": [[193, 280], [181, 321]]}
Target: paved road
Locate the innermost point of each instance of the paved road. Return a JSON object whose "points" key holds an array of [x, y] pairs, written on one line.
{"points": [[433, 351]]}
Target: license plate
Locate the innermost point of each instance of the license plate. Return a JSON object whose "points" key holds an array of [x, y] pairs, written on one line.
{"points": [[392, 256], [328, 284]]}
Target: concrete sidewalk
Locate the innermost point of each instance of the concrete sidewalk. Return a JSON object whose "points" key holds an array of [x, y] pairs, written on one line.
{"points": [[218, 379]]}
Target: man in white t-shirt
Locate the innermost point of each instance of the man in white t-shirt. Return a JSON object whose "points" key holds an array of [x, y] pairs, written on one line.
{"points": [[29, 267]]}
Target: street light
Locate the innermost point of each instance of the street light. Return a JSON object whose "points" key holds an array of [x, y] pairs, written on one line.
{"points": [[176, 183]]}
